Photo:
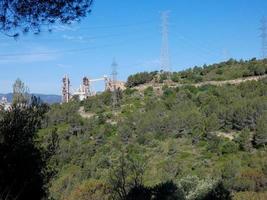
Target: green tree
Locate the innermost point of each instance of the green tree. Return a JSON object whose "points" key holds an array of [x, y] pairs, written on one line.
{"points": [[21, 160], [126, 175], [260, 137], [163, 191], [219, 192], [244, 140], [20, 93], [140, 78], [212, 123], [167, 191]]}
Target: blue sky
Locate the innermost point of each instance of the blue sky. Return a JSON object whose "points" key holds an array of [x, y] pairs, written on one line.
{"points": [[205, 31]]}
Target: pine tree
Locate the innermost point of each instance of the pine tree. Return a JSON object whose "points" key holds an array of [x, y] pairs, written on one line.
{"points": [[260, 138]]}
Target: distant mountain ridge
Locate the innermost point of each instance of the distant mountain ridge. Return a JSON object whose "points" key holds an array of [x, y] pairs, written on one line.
{"points": [[46, 98]]}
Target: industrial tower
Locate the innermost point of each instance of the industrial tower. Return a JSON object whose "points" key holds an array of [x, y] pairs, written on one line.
{"points": [[263, 36], [86, 85], [65, 89], [165, 57]]}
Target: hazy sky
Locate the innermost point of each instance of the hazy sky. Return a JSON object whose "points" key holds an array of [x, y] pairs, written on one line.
{"points": [[201, 31]]}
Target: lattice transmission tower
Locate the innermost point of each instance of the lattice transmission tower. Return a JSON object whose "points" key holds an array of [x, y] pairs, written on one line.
{"points": [[263, 36], [165, 54], [114, 84]]}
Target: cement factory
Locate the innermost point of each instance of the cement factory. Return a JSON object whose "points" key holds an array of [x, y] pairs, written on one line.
{"points": [[85, 90]]}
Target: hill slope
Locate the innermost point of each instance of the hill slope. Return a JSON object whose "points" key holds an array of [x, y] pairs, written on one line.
{"points": [[208, 140], [223, 71]]}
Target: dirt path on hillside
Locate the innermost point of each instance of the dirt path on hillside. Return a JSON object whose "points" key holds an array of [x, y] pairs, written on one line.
{"points": [[230, 135], [84, 114]]}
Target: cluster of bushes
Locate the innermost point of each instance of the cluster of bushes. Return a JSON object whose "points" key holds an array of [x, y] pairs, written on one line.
{"points": [[140, 78], [98, 103], [228, 70], [170, 191]]}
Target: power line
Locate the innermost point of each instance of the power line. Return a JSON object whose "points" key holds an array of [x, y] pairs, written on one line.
{"points": [[55, 52], [200, 46], [68, 50], [69, 28], [73, 37], [119, 25]]}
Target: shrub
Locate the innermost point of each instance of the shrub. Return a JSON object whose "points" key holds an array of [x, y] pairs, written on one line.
{"points": [[244, 140], [140, 78], [219, 192], [229, 147], [90, 189], [167, 191], [260, 138], [250, 196]]}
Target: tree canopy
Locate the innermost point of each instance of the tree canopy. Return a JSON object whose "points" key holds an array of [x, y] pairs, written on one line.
{"points": [[20, 93], [21, 160], [18, 16]]}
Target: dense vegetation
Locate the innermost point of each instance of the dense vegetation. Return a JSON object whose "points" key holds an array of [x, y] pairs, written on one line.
{"points": [[228, 70], [188, 143], [22, 161]]}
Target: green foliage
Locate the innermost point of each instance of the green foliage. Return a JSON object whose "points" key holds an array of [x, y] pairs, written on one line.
{"points": [[219, 192], [149, 91], [20, 93], [167, 191], [250, 196], [22, 161], [257, 69], [126, 175], [195, 188], [229, 172], [187, 191], [261, 131], [212, 123], [250, 180], [140, 78], [229, 147], [163, 191], [193, 136], [66, 113], [91, 189], [97, 103], [244, 140], [228, 70]]}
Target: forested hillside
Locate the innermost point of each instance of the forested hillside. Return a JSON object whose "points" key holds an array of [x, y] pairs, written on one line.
{"points": [[191, 143], [229, 70]]}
